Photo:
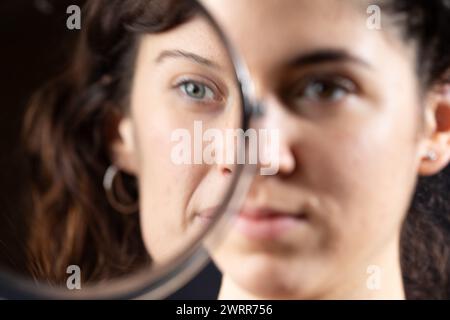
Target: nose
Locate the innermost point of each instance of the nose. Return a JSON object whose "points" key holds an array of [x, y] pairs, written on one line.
{"points": [[270, 117], [225, 169]]}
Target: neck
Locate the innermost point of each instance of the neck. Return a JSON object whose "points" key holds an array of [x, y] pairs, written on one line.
{"points": [[381, 278]]}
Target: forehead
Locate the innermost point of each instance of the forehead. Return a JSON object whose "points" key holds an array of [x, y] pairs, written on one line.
{"points": [[271, 31], [196, 36]]}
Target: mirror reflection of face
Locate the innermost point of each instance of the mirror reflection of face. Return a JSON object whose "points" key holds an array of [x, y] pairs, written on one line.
{"points": [[346, 101], [183, 80]]}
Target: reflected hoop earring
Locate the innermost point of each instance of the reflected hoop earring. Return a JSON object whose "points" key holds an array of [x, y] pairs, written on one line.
{"points": [[113, 184]]}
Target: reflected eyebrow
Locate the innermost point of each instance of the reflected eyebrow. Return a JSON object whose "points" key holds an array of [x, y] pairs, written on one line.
{"points": [[326, 56], [187, 55]]}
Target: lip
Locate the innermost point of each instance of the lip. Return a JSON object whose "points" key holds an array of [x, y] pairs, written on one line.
{"points": [[268, 224]]}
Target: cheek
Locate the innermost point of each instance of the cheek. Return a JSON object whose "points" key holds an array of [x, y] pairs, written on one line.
{"points": [[364, 174], [165, 188]]}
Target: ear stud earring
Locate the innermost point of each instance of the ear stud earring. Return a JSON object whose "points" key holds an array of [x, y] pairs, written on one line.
{"points": [[431, 155]]}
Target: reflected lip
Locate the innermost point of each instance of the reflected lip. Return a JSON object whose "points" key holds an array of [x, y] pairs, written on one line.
{"points": [[268, 223]]}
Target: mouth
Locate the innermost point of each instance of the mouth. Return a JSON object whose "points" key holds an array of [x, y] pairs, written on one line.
{"points": [[268, 224]]}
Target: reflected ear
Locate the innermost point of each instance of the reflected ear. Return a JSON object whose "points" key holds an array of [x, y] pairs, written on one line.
{"points": [[436, 149], [122, 143]]}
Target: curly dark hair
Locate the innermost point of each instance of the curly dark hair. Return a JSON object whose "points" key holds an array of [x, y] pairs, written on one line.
{"points": [[67, 137], [425, 239]]}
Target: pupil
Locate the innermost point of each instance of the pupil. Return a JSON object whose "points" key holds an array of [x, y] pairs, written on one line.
{"points": [[194, 89], [324, 90]]}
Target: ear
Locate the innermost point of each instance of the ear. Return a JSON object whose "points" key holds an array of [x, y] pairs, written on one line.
{"points": [[435, 151], [122, 143]]}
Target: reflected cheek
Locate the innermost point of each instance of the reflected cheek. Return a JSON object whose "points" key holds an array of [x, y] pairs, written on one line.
{"points": [[165, 188], [167, 201]]}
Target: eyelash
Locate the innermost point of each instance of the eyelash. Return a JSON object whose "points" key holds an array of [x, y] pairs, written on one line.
{"points": [[211, 89], [344, 85]]}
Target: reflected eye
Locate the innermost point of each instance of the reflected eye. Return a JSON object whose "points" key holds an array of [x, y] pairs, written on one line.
{"points": [[199, 93], [323, 90], [197, 90]]}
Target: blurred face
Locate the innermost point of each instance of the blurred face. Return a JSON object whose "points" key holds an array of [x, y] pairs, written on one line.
{"points": [[346, 102], [183, 85]]}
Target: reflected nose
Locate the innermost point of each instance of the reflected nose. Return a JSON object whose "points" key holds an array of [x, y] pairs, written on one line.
{"points": [[225, 169]]}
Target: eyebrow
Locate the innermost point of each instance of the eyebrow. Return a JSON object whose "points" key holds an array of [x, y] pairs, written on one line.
{"points": [[326, 56], [186, 55]]}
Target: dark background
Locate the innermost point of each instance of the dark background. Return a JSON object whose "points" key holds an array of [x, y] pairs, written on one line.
{"points": [[35, 44]]}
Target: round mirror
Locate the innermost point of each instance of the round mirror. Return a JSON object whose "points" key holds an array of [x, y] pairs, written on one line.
{"points": [[131, 157]]}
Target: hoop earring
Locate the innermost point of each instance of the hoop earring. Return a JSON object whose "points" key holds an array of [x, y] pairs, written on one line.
{"points": [[112, 176]]}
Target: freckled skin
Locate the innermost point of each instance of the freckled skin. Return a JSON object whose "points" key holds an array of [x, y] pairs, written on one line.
{"points": [[170, 193]]}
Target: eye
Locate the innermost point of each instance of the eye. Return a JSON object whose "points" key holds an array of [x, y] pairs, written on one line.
{"points": [[324, 90], [198, 91]]}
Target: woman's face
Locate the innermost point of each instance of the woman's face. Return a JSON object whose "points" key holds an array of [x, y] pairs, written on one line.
{"points": [[183, 84], [346, 101]]}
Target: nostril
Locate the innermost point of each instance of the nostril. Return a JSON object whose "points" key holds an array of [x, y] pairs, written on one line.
{"points": [[226, 171]]}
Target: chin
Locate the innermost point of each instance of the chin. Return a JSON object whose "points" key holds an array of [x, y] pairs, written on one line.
{"points": [[269, 277]]}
